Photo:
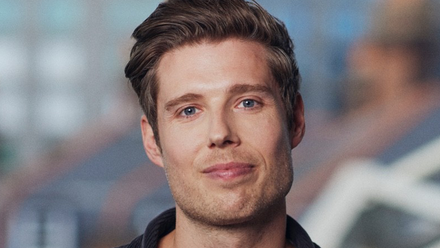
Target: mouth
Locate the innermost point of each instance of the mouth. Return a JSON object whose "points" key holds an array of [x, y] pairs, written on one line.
{"points": [[228, 171]]}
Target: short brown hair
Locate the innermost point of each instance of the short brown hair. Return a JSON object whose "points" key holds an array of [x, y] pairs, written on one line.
{"points": [[175, 23]]}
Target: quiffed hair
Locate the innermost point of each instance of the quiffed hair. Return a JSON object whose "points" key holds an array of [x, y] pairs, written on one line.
{"points": [[175, 23]]}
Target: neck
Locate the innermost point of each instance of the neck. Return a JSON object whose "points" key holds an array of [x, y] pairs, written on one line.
{"points": [[269, 231]]}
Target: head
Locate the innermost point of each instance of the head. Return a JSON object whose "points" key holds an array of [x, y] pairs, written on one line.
{"points": [[398, 54], [176, 23], [409, 29]]}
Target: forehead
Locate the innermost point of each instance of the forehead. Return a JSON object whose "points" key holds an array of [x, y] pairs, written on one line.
{"points": [[232, 49], [214, 63]]}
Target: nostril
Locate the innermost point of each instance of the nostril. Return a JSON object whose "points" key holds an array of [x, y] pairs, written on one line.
{"points": [[221, 131]]}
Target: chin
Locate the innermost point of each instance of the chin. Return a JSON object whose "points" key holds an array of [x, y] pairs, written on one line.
{"points": [[229, 215], [226, 219]]}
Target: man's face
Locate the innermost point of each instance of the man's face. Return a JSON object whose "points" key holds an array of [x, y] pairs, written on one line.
{"points": [[225, 145]]}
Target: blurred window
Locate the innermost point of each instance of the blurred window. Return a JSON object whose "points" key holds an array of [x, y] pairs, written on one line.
{"points": [[125, 16], [10, 15], [44, 227], [62, 16], [61, 63], [13, 69], [13, 113], [13, 63], [60, 114]]}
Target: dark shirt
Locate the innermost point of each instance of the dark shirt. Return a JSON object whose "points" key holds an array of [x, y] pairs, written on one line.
{"points": [[166, 222]]}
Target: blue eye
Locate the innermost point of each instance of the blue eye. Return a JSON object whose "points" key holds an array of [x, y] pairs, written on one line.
{"points": [[248, 103], [189, 111]]}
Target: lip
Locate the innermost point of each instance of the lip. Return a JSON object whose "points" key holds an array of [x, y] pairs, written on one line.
{"points": [[228, 170]]}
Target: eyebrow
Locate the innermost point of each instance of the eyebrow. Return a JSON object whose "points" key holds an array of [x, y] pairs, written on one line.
{"points": [[185, 98], [243, 88]]}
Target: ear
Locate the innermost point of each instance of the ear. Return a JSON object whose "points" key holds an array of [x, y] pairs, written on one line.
{"points": [[299, 127], [150, 145]]}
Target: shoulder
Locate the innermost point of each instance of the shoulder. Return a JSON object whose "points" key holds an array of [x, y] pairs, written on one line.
{"points": [[156, 229], [297, 235], [136, 243]]}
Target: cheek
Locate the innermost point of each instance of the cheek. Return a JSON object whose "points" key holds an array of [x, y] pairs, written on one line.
{"points": [[179, 147], [269, 134]]}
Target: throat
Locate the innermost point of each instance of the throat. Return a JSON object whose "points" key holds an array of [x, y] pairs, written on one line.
{"points": [[264, 233]]}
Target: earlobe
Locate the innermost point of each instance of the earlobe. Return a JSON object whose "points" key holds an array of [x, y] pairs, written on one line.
{"points": [[298, 128], [150, 145]]}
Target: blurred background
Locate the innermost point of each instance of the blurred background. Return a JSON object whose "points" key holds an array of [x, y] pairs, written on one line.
{"points": [[73, 172]]}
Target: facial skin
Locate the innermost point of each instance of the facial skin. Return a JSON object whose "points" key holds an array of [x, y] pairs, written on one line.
{"points": [[225, 144]]}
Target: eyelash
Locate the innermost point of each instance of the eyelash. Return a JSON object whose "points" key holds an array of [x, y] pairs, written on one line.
{"points": [[248, 101], [182, 112], [196, 110], [256, 104]]}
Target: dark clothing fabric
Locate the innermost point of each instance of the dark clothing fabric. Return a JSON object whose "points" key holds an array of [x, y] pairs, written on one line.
{"points": [[166, 222]]}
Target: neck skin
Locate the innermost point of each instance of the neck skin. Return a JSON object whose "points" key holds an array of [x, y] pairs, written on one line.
{"points": [[266, 232]]}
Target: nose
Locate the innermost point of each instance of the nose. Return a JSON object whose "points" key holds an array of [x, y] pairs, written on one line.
{"points": [[222, 131]]}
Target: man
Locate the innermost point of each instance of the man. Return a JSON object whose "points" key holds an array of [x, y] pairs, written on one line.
{"points": [[218, 83]]}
